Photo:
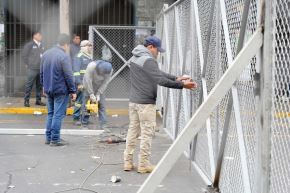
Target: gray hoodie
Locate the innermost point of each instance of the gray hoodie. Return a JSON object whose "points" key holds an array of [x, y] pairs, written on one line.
{"points": [[145, 76], [93, 82]]}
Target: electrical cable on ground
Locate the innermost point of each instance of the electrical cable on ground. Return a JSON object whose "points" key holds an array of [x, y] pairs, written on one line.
{"points": [[99, 164]]}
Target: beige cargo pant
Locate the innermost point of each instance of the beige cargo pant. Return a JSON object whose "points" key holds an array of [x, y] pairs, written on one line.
{"points": [[142, 123]]}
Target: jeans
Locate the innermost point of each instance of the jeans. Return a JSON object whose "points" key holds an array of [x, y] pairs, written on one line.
{"points": [[32, 75], [101, 111], [78, 106], [56, 107]]}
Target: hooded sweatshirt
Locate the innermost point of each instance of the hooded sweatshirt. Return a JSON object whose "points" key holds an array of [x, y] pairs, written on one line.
{"points": [[93, 82], [145, 76]]}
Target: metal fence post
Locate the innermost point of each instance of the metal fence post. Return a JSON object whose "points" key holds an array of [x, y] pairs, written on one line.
{"points": [[266, 93]]}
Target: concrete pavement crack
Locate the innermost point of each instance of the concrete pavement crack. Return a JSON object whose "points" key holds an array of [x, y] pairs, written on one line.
{"points": [[9, 182], [10, 176]]}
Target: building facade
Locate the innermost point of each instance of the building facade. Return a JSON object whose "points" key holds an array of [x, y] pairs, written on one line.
{"points": [[22, 17]]}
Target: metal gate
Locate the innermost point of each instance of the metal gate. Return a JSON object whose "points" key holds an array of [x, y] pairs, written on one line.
{"points": [[235, 126], [121, 40]]}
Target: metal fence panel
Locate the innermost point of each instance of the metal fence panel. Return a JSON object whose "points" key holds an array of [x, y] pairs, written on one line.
{"points": [[121, 40], [280, 127], [202, 38]]}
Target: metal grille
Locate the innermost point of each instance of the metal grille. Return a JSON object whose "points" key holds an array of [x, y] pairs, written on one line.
{"points": [[121, 41], [21, 19], [202, 39], [280, 127]]}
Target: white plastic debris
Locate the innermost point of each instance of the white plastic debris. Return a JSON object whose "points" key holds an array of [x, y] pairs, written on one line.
{"points": [[95, 157], [37, 113], [115, 179], [115, 115]]}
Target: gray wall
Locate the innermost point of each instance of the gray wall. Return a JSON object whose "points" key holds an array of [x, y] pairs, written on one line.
{"points": [[147, 10]]}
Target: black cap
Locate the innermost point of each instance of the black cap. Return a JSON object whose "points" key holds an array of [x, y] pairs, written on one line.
{"points": [[154, 41]]}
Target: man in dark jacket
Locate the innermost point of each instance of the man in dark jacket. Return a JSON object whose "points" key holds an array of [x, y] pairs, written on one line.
{"points": [[32, 53], [57, 79], [75, 46], [145, 76], [80, 63]]}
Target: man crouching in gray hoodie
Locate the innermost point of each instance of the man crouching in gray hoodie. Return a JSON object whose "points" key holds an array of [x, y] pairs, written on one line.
{"points": [[145, 76]]}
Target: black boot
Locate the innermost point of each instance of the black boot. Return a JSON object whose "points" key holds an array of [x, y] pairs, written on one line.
{"points": [[26, 103], [38, 102]]}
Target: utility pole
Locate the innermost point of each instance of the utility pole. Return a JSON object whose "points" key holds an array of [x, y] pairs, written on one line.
{"points": [[64, 16]]}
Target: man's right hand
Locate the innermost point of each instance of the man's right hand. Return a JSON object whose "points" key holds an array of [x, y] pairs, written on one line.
{"points": [[189, 84], [73, 97]]}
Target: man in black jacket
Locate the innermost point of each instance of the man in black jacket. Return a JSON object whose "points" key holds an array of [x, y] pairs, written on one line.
{"points": [[32, 53]]}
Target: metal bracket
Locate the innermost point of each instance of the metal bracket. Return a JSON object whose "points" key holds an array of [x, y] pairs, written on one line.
{"points": [[257, 79], [211, 189]]}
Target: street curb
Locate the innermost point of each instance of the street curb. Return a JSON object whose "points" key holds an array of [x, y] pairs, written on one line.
{"points": [[34, 110], [11, 131]]}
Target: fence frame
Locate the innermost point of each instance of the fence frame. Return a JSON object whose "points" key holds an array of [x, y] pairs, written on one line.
{"points": [[95, 30], [258, 46]]}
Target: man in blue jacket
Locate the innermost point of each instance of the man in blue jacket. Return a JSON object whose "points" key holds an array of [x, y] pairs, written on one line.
{"points": [[80, 63], [57, 79]]}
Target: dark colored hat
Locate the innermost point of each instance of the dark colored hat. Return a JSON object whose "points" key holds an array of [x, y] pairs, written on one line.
{"points": [[104, 67], [154, 41]]}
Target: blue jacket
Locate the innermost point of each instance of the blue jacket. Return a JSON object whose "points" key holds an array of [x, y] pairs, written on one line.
{"points": [[56, 74], [80, 64]]}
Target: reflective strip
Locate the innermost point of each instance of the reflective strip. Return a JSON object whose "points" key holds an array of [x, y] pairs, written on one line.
{"points": [[82, 71], [78, 105], [77, 74]]}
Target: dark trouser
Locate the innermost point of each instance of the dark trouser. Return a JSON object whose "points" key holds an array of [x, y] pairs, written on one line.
{"points": [[78, 106], [102, 110], [56, 107], [32, 75]]}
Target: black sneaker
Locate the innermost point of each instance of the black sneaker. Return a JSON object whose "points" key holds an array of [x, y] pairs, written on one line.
{"points": [[26, 103], [47, 142], [58, 143], [40, 103]]}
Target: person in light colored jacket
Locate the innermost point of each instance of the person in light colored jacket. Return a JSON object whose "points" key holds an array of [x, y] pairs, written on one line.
{"points": [[95, 82]]}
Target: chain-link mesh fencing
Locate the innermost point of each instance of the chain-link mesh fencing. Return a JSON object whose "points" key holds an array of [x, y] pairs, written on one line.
{"points": [[280, 122], [121, 41], [202, 38]]}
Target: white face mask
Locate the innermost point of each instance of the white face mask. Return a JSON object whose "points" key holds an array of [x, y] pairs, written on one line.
{"points": [[87, 50]]}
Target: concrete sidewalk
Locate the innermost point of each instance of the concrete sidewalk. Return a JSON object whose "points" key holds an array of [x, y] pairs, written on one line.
{"points": [[14, 105]]}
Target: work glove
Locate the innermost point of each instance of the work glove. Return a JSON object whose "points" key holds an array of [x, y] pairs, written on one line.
{"points": [[93, 98], [98, 97]]}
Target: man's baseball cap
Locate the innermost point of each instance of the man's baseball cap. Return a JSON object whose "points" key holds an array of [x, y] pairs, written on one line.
{"points": [[154, 41]]}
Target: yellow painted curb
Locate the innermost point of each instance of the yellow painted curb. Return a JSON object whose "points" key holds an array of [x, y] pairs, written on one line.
{"points": [[32, 110]]}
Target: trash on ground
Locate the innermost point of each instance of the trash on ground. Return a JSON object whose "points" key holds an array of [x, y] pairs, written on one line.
{"points": [[115, 179]]}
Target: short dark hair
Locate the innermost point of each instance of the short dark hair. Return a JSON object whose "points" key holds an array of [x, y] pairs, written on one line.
{"points": [[75, 35], [63, 39], [35, 32]]}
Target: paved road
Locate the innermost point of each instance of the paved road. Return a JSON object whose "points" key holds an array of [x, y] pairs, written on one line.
{"points": [[29, 166]]}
